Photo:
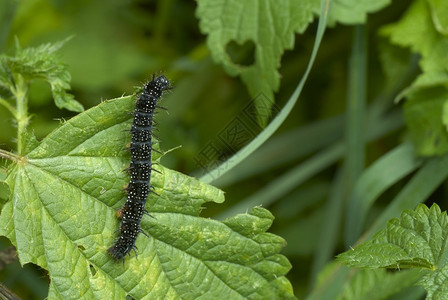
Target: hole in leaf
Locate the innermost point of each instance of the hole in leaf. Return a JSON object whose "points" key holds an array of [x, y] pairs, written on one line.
{"points": [[92, 270], [243, 55], [81, 247]]}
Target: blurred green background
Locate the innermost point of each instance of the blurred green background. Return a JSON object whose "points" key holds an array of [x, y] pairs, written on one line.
{"points": [[118, 44]]}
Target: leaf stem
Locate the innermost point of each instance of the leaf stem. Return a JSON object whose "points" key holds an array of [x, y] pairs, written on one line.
{"points": [[9, 155], [20, 92]]}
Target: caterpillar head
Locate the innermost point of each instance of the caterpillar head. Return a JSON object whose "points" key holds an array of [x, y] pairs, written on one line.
{"points": [[157, 85]]}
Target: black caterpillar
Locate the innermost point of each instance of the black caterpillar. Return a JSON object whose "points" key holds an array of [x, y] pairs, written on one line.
{"points": [[140, 167]]}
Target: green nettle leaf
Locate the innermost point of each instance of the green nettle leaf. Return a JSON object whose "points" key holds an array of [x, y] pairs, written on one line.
{"points": [[4, 190], [62, 216], [422, 29], [354, 11], [40, 63], [249, 37], [416, 30], [436, 283], [262, 28], [416, 240], [439, 11], [425, 117]]}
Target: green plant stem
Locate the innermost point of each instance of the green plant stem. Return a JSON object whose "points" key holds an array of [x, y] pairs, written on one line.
{"points": [[20, 93]]}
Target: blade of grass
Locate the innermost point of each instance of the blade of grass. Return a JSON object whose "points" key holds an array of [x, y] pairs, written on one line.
{"points": [[356, 102], [7, 12], [329, 287], [311, 195], [291, 179], [329, 233], [355, 139], [285, 183], [317, 135], [281, 117], [381, 175], [433, 172]]}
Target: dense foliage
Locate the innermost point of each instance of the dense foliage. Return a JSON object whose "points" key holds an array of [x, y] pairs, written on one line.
{"points": [[341, 137]]}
